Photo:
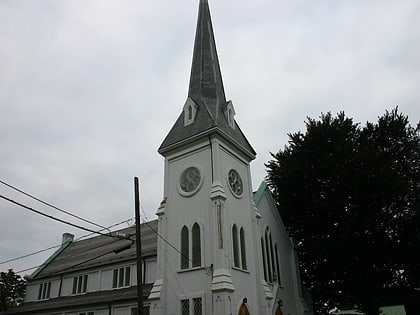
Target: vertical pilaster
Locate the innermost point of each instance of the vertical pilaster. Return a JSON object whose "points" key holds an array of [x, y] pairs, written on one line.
{"points": [[155, 297]]}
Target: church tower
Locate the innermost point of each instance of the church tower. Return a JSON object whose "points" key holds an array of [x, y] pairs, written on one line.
{"points": [[207, 221]]}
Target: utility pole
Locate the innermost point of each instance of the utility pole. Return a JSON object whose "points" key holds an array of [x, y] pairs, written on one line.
{"points": [[138, 248]]}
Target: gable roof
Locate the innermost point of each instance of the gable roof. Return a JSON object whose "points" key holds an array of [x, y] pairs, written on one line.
{"points": [[207, 92], [101, 250]]}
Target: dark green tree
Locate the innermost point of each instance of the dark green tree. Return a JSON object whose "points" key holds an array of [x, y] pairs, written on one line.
{"points": [[12, 290], [350, 196]]}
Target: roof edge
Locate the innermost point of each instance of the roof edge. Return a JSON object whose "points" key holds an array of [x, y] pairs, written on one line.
{"points": [[51, 258], [260, 192], [251, 155]]}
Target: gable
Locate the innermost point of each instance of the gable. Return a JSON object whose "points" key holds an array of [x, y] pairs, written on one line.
{"points": [[267, 208]]}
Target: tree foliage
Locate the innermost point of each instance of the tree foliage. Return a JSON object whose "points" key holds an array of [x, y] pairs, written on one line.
{"points": [[350, 196], [12, 290]]}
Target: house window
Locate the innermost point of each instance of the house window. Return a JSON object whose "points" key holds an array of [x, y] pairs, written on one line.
{"points": [[193, 306], [121, 277], [44, 291], [146, 310], [80, 284], [196, 246], [185, 307], [191, 244], [185, 255], [197, 306]]}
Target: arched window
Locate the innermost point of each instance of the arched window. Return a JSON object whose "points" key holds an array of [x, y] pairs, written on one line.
{"points": [[273, 259], [185, 254], [235, 246], [196, 246], [190, 112], [264, 260], [277, 264], [267, 250], [243, 250]]}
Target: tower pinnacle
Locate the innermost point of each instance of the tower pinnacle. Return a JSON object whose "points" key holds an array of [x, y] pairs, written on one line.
{"points": [[206, 79]]}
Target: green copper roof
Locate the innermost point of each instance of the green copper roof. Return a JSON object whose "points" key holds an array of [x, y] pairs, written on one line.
{"points": [[259, 193]]}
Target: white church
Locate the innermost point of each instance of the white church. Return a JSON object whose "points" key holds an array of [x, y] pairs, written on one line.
{"points": [[216, 247]]}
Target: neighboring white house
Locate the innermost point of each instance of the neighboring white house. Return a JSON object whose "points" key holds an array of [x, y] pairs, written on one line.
{"points": [[216, 247], [95, 276]]}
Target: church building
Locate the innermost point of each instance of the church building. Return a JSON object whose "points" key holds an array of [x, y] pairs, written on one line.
{"points": [[216, 247], [235, 256]]}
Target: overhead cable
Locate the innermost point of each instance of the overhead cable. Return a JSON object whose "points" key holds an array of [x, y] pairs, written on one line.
{"points": [[58, 245], [56, 219], [52, 206]]}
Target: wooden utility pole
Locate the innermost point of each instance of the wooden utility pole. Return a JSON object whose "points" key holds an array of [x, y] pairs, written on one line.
{"points": [[138, 248]]}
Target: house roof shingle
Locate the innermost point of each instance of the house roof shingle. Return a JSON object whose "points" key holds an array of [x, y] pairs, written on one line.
{"points": [[100, 250]]}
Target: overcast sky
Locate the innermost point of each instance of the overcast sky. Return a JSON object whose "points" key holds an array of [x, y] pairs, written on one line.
{"points": [[89, 89]]}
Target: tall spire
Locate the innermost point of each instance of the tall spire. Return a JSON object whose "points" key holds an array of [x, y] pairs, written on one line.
{"points": [[206, 79], [206, 110]]}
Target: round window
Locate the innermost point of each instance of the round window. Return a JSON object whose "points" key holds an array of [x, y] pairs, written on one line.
{"points": [[190, 180], [235, 183]]}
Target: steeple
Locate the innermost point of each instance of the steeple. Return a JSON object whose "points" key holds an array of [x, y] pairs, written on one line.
{"points": [[206, 78], [206, 110]]}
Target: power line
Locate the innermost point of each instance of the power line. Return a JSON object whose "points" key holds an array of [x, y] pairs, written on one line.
{"points": [[50, 205], [54, 218], [106, 228], [55, 246], [84, 261], [28, 255]]}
